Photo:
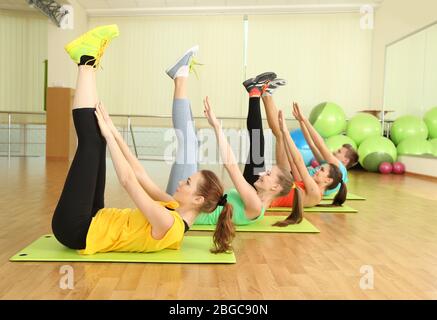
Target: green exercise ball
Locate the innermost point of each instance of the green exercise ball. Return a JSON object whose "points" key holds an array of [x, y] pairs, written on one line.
{"points": [[363, 126], [375, 150], [408, 127], [336, 142], [328, 119], [434, 146], [430, 119], [415, 146]]}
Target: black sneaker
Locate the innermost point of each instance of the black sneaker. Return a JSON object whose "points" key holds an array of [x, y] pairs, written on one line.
{"points": [[259, 81]]}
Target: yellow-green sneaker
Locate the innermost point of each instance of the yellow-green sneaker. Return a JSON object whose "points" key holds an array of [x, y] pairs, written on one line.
{"points": [[93, 43]]}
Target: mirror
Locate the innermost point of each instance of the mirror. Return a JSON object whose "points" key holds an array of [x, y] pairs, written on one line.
{"points": [[410, 83]]}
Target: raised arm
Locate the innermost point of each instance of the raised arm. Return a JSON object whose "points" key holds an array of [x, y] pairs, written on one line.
{"points": [[294, 171], [248, 194], [158, 217], [311, 187], [307, 136], [143, 178], [325, 153]]}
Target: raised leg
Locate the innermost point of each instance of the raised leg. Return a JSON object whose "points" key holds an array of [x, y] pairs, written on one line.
{"points": [[272, 119], [186, 155], [82, 195], [255, 161]]}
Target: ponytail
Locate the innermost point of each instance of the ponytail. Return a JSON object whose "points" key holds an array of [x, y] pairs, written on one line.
{"points": [[339, 198], [337, 178], [225, 231], [211, 189], [296, 215]]}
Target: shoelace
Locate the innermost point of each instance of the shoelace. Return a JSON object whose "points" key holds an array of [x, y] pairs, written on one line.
{"points": [[99, 54], [192, 65], [101, 51]]}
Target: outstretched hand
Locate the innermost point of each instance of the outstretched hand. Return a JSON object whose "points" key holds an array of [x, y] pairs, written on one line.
{"points": [[106, 117], [297, 113], [209, 114], [104, 127]]}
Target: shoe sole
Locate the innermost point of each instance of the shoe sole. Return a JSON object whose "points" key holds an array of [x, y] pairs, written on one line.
{"points": [[277, 83], [192, 49]]}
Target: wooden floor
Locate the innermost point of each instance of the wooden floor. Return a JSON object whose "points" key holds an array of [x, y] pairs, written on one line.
{"points": [[395, 232]]}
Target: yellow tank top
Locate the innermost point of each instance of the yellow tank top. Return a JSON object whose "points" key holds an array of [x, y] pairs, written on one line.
{"points": [[128, 230]]}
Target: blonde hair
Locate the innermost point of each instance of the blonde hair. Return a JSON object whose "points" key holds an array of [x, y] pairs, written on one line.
{"points": [[285, 180]]}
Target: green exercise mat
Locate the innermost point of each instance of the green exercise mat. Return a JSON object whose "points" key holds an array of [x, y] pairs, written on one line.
{"points": [[265, 225], [350, 196], [193, 250], [342, 209]]}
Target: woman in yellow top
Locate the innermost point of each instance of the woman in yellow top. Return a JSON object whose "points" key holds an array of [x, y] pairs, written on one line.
{"points": [[80, 220]]}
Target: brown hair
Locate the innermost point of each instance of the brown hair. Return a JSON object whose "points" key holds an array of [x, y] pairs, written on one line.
{"points": [[285, 180], [211, 190], [337, 178], [296, 214], [351, 154]]}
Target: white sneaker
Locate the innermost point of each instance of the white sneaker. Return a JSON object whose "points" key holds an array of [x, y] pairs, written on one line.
{"points": [[182, 66]]}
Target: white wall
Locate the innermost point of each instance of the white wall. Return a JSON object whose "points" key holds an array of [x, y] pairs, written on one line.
{"points": [[23, 49], [394, 20], [62, 71], [422, 165], [324, 57], [133, 79]]}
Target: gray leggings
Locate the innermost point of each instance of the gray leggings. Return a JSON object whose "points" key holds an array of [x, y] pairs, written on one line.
{"points": [[187, 153]]}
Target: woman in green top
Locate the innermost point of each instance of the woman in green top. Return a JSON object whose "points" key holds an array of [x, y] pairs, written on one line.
{"points": [[254, 189]]}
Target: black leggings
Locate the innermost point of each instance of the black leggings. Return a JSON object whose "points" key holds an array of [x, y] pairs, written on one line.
{"points": [[83, 193], [255, 161]]}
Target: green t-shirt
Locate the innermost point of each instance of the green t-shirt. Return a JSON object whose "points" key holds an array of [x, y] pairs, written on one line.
{"points": [[239, 213]]}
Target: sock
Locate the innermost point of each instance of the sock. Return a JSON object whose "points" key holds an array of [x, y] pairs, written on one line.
{"points": [[183, 71], [254, 92], [267, 91], [87, 60]]}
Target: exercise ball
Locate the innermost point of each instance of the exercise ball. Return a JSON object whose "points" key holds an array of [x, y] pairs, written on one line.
{"points": [[302, 145], [398, 168], [385, 168], [336, 142], [415, 146], [299, 139], [430, 119], [434, 146], [307, 155], [408, 127], [363, 126], [328, 119], [375, 150]]}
